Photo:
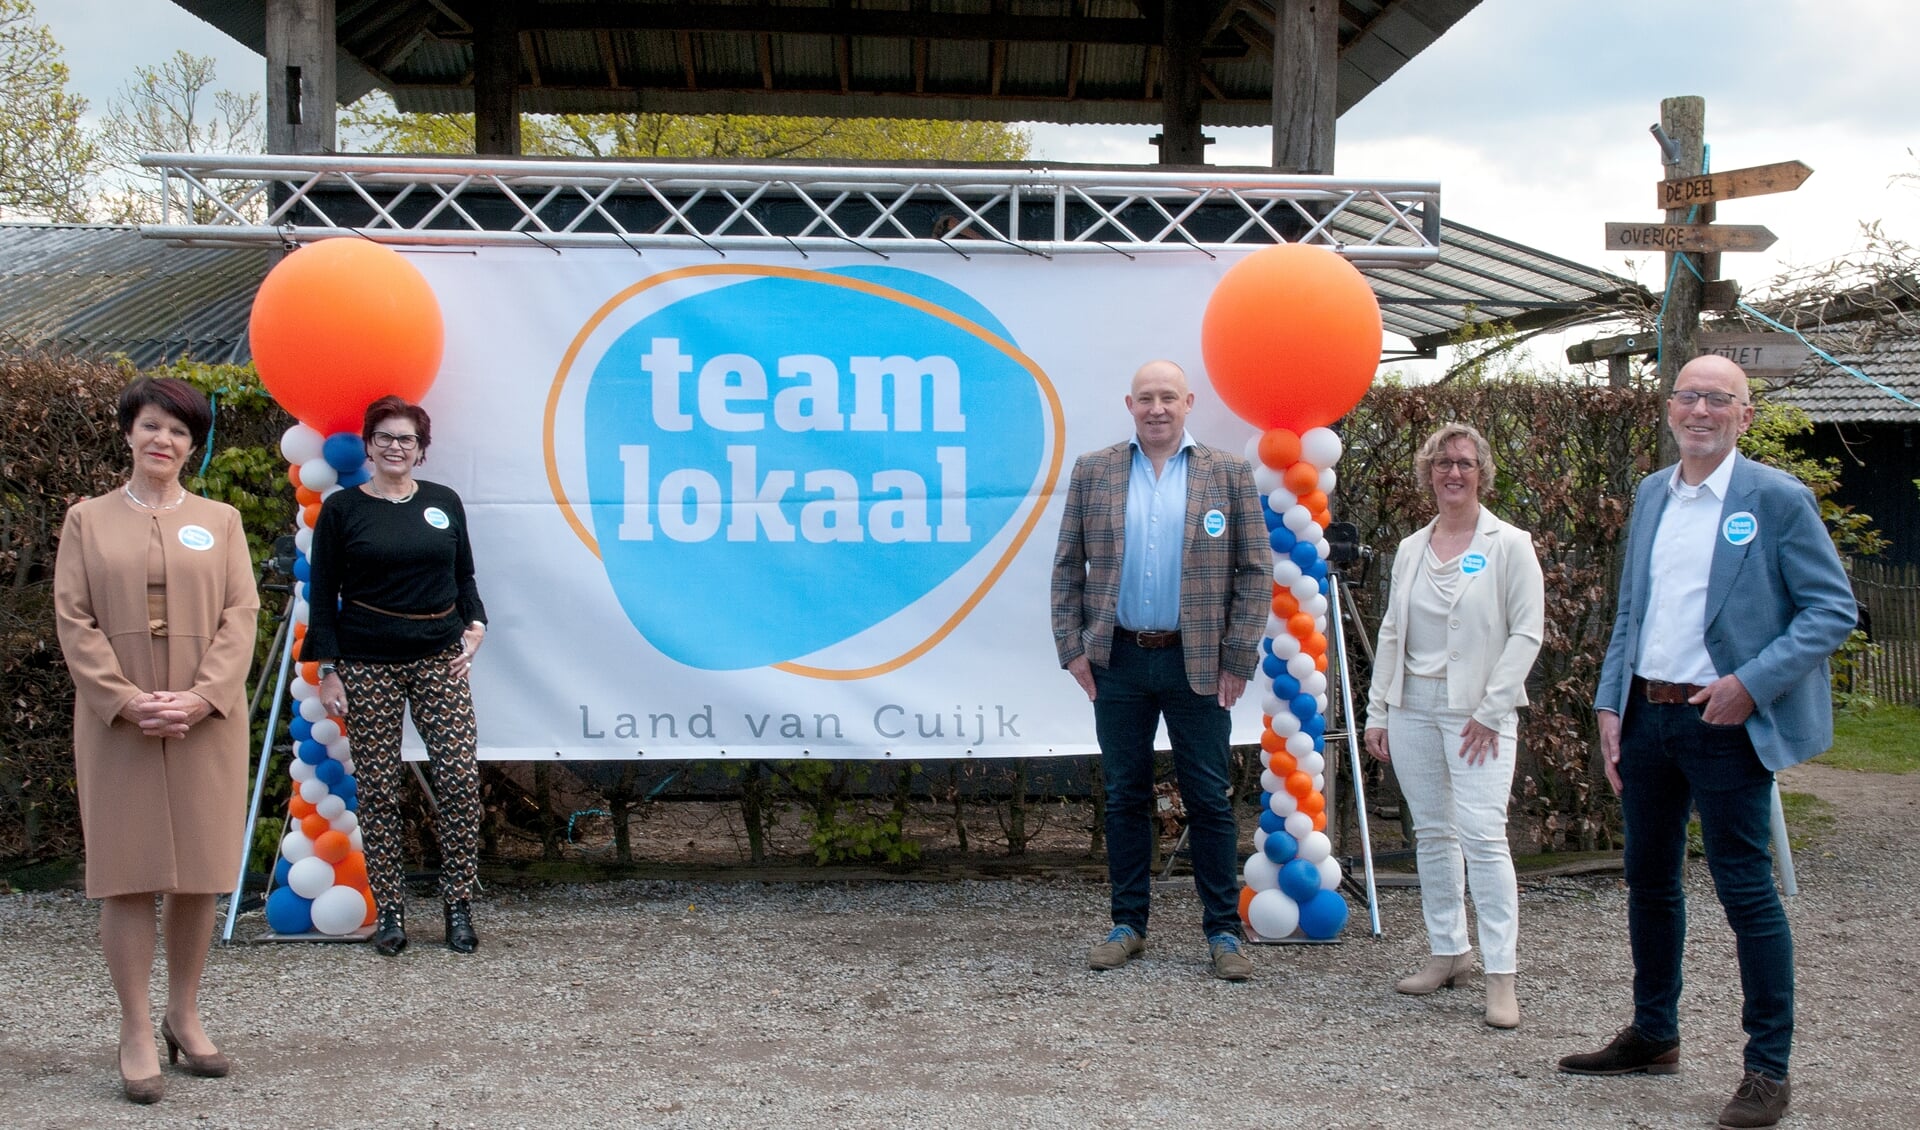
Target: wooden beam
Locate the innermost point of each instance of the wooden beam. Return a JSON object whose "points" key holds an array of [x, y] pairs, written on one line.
{"points": [[843, 21], [301, 84], [532, 58], [763, 54], [1601, 348], [1306, 84], [603, 45], [1181, 142], [919, 66], [496, 81], [683, 46]]}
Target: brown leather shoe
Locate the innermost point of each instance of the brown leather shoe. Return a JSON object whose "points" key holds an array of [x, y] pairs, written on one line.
{"points": [[1121, 946], [1629, 1053], [1757, 1101]]}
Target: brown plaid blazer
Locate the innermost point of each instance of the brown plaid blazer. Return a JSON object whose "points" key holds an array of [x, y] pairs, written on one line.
{"points": [[1226, 582]]}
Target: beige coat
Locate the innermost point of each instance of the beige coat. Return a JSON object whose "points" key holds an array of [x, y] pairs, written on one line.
{"points": [[1493, 634], [158, 815]]}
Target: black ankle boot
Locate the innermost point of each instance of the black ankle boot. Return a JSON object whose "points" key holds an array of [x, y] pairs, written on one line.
{"points": [[390, 931], [460, 935]]}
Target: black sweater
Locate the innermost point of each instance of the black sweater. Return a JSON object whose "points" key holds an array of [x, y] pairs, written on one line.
{"points": [[372, 558]]}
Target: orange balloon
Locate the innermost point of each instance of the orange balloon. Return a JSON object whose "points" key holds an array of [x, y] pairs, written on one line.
{"points": [[314, 826], [1246, 897], [1301, 478], [1319, 824], [310, 514], [308, 497], [373, 911], [339, 324], [1320, 663], [293, 478], [1272, 742], [299, 630], [310, 672], [1314, 645], [1314, 801], [1283, 763], [1279, 448], [1300, 785], [1285, 604], [351, 871], [1291, 337], [1300, 626], [1322, 518], [299, 808], [1315, 501], [332, 846]]}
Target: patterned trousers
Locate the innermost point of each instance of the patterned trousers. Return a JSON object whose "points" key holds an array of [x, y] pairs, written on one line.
{"points": [[442, 706]]}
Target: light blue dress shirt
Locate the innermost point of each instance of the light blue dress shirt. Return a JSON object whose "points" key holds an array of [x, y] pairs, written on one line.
{"points": [[1156, 533]]}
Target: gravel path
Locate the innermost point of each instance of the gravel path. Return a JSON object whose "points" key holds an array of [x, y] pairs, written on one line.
{"points": [[912, 1004]]}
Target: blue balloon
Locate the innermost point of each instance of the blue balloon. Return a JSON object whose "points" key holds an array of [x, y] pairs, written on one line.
{"points": [[300, 729], [356, 476], [330, 772], [302, 571], [1282, 540], [353, 802], [1273, 520], [1319, 743], [1304, 555], [1272, 823], [1271, 666], [288, 913], [1285, 686], [311, 752], [1266, 645], [343, 451], [346, 788], [1303, 707], [281, 866], [1324, 915], [1299, 880], [1281, 846], [1316, 725]]}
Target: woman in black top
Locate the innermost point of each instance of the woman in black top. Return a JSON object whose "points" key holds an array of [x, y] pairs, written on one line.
{"points": [[394, 621]]}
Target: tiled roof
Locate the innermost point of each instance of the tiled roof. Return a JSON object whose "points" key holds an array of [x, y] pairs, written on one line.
{"points": [[1887, 351]]}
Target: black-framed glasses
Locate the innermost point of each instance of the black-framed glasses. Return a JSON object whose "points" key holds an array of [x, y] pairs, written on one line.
{"points": [[1688, 397], [388, 439]]}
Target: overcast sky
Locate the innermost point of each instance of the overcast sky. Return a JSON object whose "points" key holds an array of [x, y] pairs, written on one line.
{"points": [[1533, 114]]}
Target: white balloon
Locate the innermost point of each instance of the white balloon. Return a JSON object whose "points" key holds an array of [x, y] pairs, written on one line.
{"points": [[295, 846], [1262, 874], [340, 748], [301, 612], [301, 444], [300, 771], [346, 766], [318, 474], [1327, 481], [312, 710], [1300, 666], [329, 809], [1297, 518], [309, 876], [1315, 683], [1299, 825], [338, 911], [327, 732], [300, 523], [1272, 914], [344, 823], [1275, 626], [1285, 646], [1315, 846], [1312, 762], [1270, 782], [354, 841], [299, 591], [330, 492], [314, 791], [1324, 548], [1315, 607], [1300, 743], [1304, 587], [1252, 450], [301, 690], [1320, 705], [1311, 533], [303, 540], [1329, 874], [1284, 723], [1285, 572], [1319, 783], [1320, 447], [1265, 478], [1259, 839], [1272, 706], [1283, 804]]}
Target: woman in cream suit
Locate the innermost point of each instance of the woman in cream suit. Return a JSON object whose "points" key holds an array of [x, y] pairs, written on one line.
{"points": [[1462, 627]]}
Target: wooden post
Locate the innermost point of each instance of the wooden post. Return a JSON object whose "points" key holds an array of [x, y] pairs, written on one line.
{"points": [[496, 80], [1180, 140], [301, 88], [1685, 121], [1305, 93], [1619, 370]]}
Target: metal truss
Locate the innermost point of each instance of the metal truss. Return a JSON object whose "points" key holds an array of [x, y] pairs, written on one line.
{"points": [[273, 199]]}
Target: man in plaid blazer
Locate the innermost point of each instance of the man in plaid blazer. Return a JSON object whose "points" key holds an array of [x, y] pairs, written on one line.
{"points": [[1161, 583]]}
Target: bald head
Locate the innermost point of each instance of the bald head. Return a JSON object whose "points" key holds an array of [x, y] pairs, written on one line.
{"points": [[1160, 400], [1704, 431], [1157, 372]]}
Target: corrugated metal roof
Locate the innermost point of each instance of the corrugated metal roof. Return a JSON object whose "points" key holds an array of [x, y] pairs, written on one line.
{"points": [[1886, 351], [104, 290], [705, 56]]}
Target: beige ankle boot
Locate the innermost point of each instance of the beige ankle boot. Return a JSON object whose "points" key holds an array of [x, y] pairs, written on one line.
{"points": [[1440, 971], [1503, 1007]]}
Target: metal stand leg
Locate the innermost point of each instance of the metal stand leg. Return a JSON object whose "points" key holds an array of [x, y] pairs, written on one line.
{"points": [[1782, 853], [284, 640], [1338, 595]]}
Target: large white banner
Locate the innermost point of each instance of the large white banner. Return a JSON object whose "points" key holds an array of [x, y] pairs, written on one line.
{"points": [[787, 506]]}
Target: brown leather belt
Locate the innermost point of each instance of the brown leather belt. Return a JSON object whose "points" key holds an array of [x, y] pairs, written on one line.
{"points": [[1666, 694], [440, 615], [1152, 641]]}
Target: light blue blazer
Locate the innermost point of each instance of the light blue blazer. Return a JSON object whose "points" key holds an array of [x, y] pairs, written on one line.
{"points": [[1778, 604]]}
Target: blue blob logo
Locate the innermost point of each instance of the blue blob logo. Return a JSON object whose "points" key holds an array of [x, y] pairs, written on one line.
{"points": [[779, 463]]}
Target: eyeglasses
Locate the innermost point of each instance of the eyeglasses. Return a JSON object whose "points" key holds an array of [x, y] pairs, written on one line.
{"points": [[1448, 466], [1688, 397], [388, 439]]}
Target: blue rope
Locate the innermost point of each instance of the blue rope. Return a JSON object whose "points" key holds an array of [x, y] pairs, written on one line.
{"points": [[1828, 357]]}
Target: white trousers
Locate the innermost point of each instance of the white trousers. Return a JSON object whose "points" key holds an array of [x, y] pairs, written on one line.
{"points": [[1459, 817]]}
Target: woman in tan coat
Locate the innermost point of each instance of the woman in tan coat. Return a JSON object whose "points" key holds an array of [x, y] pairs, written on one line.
{"points": [[155, 599]]}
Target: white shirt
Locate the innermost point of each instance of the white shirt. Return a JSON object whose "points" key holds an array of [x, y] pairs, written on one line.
{"points": [[1673, 640], [1429, 607]]}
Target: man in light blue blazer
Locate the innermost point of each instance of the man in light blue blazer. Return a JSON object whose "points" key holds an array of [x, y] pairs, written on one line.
{"points": [[1732, 600]]}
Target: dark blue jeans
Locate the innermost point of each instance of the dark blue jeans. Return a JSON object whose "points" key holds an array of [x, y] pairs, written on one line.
{"points": [[1670, 760], [1132, 695]]}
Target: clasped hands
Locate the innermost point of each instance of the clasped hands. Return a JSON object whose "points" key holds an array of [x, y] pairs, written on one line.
{"points": [[166, 714]]}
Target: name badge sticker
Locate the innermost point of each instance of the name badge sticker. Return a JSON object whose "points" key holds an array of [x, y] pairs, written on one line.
{"points": [[1215, 523], [1472, 563], [1741, 528], [196, 538], [436, 517]]}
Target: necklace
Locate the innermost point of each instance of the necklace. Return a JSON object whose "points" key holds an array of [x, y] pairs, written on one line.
{"points": [[145, 505], [407, 497]]}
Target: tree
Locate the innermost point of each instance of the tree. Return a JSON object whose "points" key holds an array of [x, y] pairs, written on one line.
{"points": [[46, 159], [173, 108], [375, 126]]}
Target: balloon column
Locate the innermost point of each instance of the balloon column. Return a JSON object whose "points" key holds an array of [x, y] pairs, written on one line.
{"points": [[335, 326], [1291, 338]]}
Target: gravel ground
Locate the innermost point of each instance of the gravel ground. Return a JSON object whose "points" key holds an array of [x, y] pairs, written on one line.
{"points": [[917, 1004]]}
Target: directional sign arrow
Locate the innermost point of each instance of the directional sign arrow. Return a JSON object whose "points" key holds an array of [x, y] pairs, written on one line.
{"points": [[1688, 237], [1760, 354], [1760, 180]]}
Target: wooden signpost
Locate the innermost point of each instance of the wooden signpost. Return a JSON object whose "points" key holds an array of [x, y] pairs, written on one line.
{"points": [[1705, 238], [1760, 354], [1760, 180]]}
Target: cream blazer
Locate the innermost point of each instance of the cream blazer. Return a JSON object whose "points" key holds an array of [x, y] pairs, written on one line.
{"points": [[1493, 633]]}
